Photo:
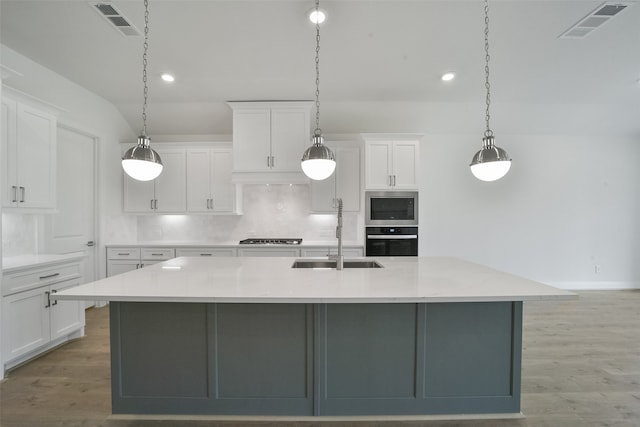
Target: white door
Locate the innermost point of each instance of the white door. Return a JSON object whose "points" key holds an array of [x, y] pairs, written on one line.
{"points": [[72, 228]]}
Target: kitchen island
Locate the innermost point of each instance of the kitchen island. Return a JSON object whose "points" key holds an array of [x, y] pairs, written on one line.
{"points": [[253, 336]]}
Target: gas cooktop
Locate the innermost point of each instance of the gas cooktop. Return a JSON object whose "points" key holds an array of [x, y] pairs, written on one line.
{"points": [[269, 241]]}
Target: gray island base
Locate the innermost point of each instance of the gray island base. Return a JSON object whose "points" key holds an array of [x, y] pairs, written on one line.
{"points": [[423, 336], [316, 359]]}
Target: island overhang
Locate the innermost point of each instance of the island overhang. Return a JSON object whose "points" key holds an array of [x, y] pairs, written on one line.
{"points": [[273, 280]]}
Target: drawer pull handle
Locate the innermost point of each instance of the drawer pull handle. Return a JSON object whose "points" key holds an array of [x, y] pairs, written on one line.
{"points": [[53, 291], [124, 253], [205, 254], [15, 194], [49, 276], [156, 254], [48, 294], [22, 194]]}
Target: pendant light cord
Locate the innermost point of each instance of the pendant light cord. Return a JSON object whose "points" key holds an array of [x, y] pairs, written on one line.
{"points": [[488, 132], [144, 67], [317, 131]]}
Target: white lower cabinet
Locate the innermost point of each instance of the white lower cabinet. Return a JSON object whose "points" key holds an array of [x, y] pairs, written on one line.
{"points": [[332, 250], [33, 321], [269, 252], [123, 259], [207, 251]]}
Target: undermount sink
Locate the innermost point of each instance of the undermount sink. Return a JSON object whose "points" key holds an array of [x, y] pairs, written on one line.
{"points": [[331, 263]]}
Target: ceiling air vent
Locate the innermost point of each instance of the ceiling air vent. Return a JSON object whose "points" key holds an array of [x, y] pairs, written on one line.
{"points": [[115, 18], [594, 20]]}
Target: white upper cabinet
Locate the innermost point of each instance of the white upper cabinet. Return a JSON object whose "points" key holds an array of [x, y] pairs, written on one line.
{"points": [[28, 157], [269, 139], [344, 183], [391, 164], [166, 193], [209, 187]]}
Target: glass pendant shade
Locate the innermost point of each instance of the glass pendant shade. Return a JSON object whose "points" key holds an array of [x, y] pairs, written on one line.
{"points": [[491, 163], [318, 161], [141, 162]]}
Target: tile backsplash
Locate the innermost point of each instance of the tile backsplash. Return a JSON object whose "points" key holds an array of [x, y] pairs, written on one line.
{"points": [[19, 234], [269, 211]]}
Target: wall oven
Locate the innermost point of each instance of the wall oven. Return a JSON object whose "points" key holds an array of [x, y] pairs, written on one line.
{"points": [[391, 208], [391, 241]]}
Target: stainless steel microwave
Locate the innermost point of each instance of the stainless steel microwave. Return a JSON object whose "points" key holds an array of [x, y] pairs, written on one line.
{"points": [[391, 208]]}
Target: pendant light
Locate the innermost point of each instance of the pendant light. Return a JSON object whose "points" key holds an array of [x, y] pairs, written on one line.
{"points": [[491, 162], [141, 162], [318, 161]]}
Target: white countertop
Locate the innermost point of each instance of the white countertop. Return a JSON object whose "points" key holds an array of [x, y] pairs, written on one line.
{"points": [[272, 280], [13, 263]]}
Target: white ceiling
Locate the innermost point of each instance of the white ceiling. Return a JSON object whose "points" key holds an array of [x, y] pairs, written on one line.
{"points": [[371, 52]]}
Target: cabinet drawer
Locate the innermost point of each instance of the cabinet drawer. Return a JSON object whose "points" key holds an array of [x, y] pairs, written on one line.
{"points": [[269, 252], [123, 253], [323, 252], [37, 277], [206, 252], [157, 254]]}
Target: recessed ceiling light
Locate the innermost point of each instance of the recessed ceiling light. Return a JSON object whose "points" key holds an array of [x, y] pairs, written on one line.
{"points": [[447, 77], [317, 17], [167, 77]]}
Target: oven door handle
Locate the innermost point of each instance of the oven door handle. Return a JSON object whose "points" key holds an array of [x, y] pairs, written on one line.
{"points": [[392, 237]]}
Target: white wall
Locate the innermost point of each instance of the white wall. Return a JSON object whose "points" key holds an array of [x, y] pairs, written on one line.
{"points": [[568, 204]]}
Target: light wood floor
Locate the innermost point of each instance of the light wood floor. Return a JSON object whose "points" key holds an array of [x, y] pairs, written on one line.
{"points": [[581, 368]]}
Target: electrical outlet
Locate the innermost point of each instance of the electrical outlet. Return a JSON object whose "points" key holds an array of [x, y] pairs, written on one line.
{"points": [[598, 269]]}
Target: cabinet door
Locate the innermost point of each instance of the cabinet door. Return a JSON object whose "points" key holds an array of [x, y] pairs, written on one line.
{"points": [[138, 195], [171, 184], [8, 140], [405, 165], [65, 316], [290, 133], [348, 178], [222, 190], [344, 183], [199, 179], [25, 322], [36, 136], [378, 165], [323, 194], [251, 140], [121, 266]]}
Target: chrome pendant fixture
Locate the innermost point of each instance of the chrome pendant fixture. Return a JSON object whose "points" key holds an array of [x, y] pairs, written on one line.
{"points": [[491, 162], [141, 162], [318, 161]]}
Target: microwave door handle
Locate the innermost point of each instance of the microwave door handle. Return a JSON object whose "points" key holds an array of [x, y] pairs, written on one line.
{"points": [[391, 237]]}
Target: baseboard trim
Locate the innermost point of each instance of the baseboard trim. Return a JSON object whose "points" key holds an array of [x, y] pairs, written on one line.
{"points": [[379, 418], [595, 286]]}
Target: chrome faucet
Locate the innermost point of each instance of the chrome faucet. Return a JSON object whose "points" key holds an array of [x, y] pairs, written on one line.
{"points": [[340, 257]]}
